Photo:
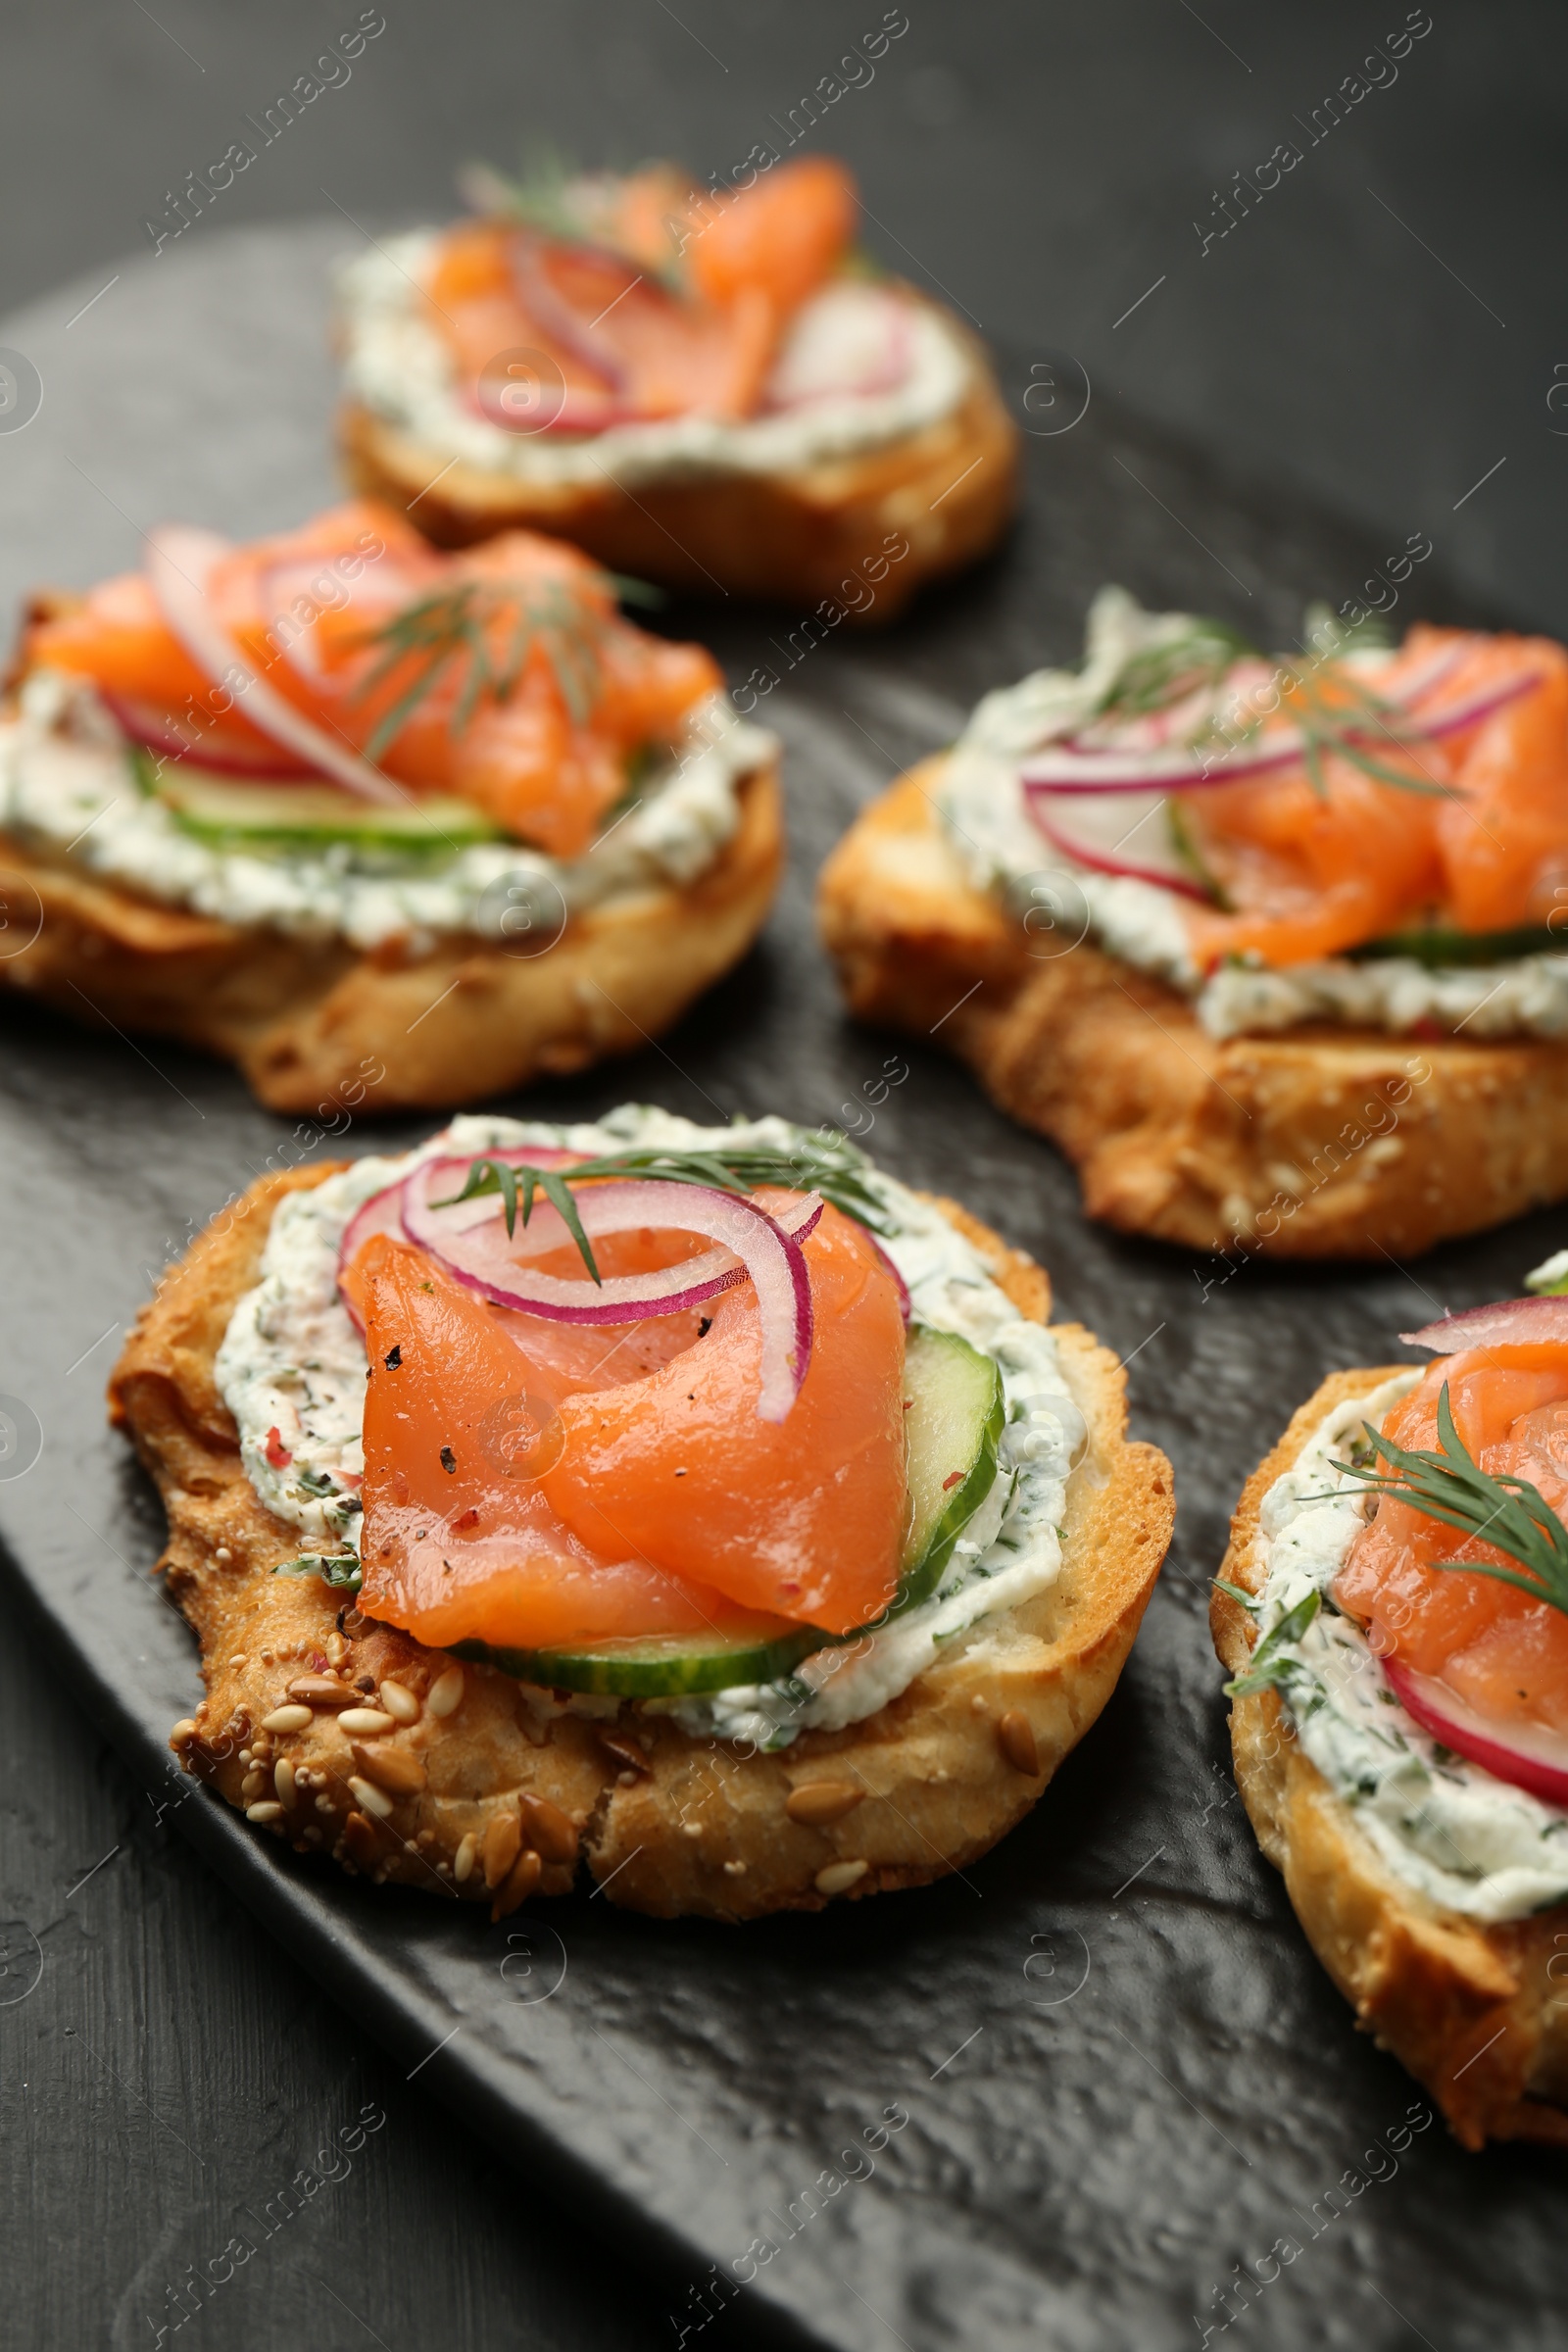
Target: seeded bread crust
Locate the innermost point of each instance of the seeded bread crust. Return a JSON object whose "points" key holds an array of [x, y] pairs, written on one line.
{"points": [[666, 1824], [1474, 2011], [1321, 1141], [948, 490], [315, 1025]]}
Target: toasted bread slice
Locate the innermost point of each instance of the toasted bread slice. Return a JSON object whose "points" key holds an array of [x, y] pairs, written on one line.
{"points": [[458, 1801], [318, 1025], [1474, 2011], [947, 491], [1321, 1141]]}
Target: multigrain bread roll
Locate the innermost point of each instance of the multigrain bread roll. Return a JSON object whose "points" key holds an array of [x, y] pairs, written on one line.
{"points": [[862, 531], [346, 1736], [412, 1025], [709, 387], [389, 829], [1473, 2007], [1318, 1141]]}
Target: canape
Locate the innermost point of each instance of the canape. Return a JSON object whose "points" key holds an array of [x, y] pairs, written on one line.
{"points": [[705, 388], [379, 824], [1395, 1608], [700, 1507], [1276, 952]]}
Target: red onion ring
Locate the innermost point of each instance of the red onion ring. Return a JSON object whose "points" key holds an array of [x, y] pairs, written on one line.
{"points": [[1434, 671], [1508, 1322], [1529, 1758], [479, 1256], [1470, 714], [1061, 770], [905, 1307], [383, 1211], [180, 562], [157, 735], [552, 312], [1106, 862]]}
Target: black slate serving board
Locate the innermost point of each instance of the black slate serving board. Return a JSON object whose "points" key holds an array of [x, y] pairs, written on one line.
{"points": [[1107, 2089]]}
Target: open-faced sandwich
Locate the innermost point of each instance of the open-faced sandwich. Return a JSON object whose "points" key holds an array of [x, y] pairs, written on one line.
{"points": [[697, 1507], [380, 824], [1277, 952], [1394, 1607], [708, 388]]}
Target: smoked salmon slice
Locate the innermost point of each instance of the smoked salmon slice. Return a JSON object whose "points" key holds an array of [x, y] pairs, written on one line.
{"points": [[670, 301], [529, 1484], [505, 674], [1503, 1654], [460, 1541], [1425, 792]]}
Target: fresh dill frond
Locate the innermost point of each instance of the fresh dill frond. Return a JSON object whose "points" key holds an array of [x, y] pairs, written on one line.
{"points": [[1509, 1513], [1159, 676], [458, 623], [813, 1165], [537, 195]]}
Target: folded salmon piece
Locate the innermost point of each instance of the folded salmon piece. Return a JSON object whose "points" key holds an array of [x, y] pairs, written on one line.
{"points": [[506, 674], [530, 1484]]}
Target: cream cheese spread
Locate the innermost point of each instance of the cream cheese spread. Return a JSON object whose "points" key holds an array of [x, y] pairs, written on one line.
{"points": [[397, 366], [291, 1370], [68, 789], [1446, 1827], [986, 815]]}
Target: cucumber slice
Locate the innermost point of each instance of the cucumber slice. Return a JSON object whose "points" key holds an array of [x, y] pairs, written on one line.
{"points": [[311, 816], [953, 1427], [661, 1666], [1440, 946]]}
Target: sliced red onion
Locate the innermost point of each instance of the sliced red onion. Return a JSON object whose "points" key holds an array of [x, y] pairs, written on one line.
{"points": [[383, 1211], [1432, 673], [159, 734], [1527, 1755], [1509, 1323], [1470, 713], [1061, 770], [551, 311], [755, 1246], [1163, 868], [905, 1307], [1067, 768], [180, 562]]}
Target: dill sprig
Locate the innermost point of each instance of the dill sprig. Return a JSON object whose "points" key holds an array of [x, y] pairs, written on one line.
{"points": [[538, 195], [1508, 1513], [813, 1165], [456, 622], [1158, 678]]}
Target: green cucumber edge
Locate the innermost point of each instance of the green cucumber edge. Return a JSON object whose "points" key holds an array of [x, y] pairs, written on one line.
{"points": [[668, 1667], [666, 1670], [1437, 948], [661, 1669]]}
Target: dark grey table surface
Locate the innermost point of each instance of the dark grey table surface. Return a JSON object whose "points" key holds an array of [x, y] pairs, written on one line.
{"points": [[164, 2065]]}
